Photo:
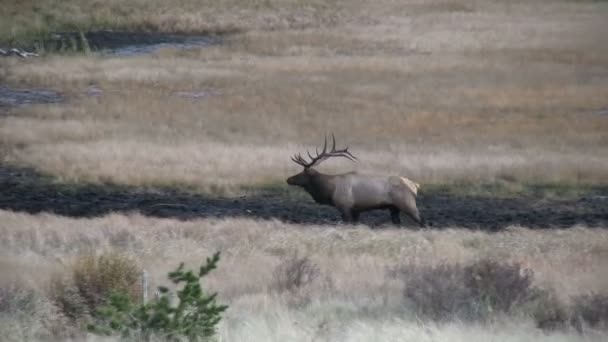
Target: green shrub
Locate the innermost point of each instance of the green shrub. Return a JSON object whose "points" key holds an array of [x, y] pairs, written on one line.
{"points": [[194, 317]]}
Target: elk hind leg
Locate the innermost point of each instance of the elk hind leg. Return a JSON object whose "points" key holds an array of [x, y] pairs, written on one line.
{"points": [[395, 215], [408, 206], [354, 215], [415, 215]]}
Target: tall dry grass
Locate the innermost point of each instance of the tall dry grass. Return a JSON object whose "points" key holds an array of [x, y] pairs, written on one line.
{"points": [[434, 118], [353, 294], [437, 91], [26, 20]]}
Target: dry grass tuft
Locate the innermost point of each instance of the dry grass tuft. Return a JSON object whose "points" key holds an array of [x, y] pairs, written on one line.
{"points": [[591, 310], [97, 277], [482, 291], [295, 273]]}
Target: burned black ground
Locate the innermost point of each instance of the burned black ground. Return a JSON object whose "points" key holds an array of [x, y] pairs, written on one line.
{"points": [[24, 190]]}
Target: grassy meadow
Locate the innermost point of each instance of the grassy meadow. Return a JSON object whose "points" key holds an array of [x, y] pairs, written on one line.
{"points": [[455, 94]]}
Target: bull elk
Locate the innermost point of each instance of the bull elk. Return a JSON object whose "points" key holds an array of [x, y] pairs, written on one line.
{"points": [[352, 193]]}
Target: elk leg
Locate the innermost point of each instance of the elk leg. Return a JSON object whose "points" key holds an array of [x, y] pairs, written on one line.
{"points": [[415, 215], [355, 215], [408, 206], [346, 216], [395, 215]]}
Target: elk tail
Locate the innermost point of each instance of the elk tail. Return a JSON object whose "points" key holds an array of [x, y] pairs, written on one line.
{"points": [[413, 186]]}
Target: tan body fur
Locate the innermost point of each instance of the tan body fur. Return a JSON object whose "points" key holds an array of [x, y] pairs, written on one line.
{"points": [[353, 193]]}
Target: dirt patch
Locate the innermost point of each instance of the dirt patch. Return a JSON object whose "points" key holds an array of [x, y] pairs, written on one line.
{"points": [[602, 112], [118, 43], [14, 97], [27, 191]]}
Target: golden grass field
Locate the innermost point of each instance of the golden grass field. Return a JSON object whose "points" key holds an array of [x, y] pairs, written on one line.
{"points": [[433, 92], [354, 298], [442, 92]]}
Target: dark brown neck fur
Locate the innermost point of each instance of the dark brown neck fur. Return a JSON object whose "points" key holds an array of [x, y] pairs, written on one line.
{"points": [[321, 188]]}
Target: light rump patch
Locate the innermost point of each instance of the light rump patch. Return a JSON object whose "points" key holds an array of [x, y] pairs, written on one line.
{"points": [[413, 186]]}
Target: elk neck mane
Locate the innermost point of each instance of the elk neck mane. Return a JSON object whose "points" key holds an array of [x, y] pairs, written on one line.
{"points": [[321, 188]]}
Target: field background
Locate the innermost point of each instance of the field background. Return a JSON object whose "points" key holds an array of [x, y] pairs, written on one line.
{"points": [[458, 94]]}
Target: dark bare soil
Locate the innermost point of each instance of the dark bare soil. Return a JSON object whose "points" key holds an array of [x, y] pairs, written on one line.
{"points": [[120, 43], [26, 191], [10, 97]]}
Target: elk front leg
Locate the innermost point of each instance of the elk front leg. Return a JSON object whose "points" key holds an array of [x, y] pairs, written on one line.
{"points": [[355, 216], [349, 215]]}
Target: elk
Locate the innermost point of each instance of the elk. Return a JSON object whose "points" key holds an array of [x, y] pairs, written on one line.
{"points": [[352, 193]]}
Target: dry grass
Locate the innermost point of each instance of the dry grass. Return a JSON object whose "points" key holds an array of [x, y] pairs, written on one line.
{"points": [[439, 91], [24, 20], [353, 286], [446, 92]]}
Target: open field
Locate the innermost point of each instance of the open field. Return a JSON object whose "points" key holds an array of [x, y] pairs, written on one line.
{"points": [[498, 108], [355, 296], [440, 94]]}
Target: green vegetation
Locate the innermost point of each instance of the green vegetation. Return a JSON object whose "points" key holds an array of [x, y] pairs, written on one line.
{"points": [[194, 317]]}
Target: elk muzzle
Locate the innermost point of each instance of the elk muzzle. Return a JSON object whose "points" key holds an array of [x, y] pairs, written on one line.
{"points": [[301, 179]]}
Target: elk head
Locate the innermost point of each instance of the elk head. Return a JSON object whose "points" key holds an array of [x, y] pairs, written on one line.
{"points": [[306, 178]]}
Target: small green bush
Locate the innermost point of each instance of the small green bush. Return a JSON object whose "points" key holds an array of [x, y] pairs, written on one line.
{"points": [[194, 317]]}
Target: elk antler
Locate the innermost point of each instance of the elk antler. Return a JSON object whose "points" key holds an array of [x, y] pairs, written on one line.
{"points": [[323, 155]]}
